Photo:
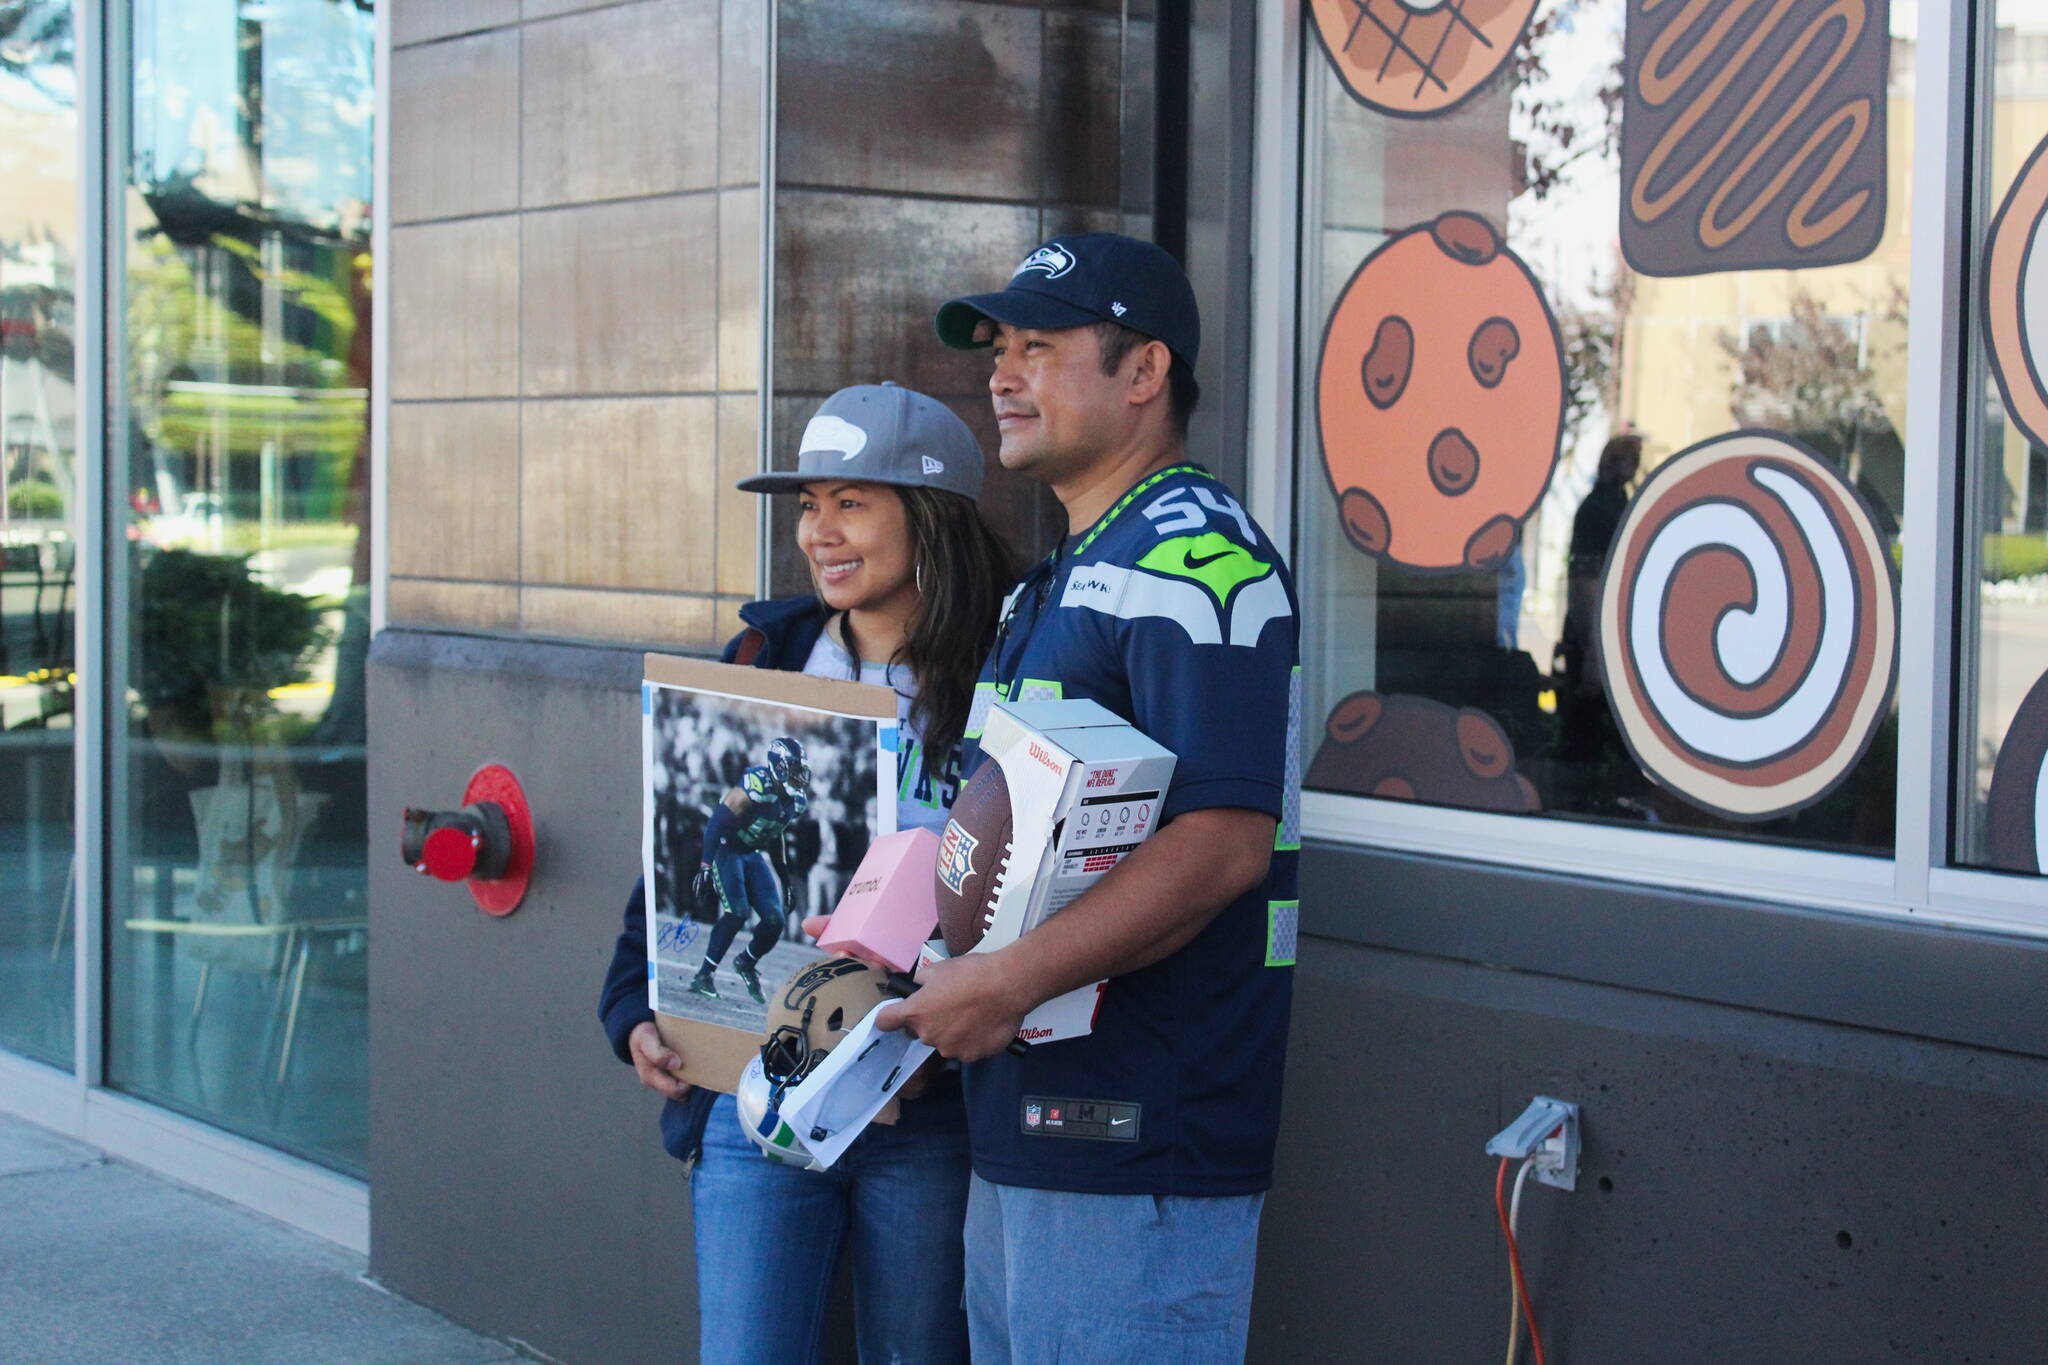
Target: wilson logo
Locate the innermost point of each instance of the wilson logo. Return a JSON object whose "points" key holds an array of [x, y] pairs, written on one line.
{"points": [[1047, 759]]}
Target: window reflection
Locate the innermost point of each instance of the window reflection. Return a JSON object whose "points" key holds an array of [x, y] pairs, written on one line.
{"points": [[238, 985], [38, 506], [1453, 574]]}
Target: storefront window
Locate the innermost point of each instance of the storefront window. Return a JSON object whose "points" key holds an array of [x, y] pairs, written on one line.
{"points": [[238, 924], [38, 518], [1599, 468]]}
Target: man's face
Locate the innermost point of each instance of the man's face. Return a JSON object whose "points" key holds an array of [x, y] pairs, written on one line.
{"points": [[1056, 409]]}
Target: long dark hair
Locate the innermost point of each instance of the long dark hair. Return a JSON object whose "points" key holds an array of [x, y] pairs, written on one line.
{"points": [[962, 572]]}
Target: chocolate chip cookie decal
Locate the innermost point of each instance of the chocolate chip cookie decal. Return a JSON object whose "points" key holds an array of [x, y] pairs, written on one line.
{"points": [[1753, 133], [2015, 303], [1418, 58], [1412, 749], [1748, 627], [2019, 788], [1440, 397]]}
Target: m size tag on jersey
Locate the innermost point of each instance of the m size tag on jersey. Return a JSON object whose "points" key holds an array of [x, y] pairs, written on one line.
{"points": [[1103, 1120]]}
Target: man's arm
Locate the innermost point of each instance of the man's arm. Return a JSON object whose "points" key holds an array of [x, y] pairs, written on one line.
{"points": [[1149, 906], [725, 816]]}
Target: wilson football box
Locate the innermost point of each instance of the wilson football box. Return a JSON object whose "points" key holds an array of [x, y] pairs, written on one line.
{"points": [[1086, 788]]}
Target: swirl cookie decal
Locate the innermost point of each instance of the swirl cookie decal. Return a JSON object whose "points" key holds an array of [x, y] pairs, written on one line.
{"points": [[2015, 301], [1753, 133], [1440, 397], [1748, 626], [2019, 788], [1414, 749], [1418, 58]]}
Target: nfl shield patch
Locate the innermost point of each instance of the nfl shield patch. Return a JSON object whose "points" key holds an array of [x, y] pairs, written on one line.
{"points": [[956, 856], [1031, 1116]]}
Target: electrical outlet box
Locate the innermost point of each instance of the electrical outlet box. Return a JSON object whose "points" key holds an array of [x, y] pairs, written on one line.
{"points": [[1547, 1130]]}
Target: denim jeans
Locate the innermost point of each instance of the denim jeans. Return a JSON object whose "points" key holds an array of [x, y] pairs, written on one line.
{"points": [[1105, 1279], [769, 1235]]}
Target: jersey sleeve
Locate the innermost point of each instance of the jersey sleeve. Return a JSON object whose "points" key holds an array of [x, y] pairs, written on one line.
{"points": [[1206, 627]]}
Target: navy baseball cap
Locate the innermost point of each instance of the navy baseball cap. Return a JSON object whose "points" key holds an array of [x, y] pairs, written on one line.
{"points": [[1080, 280]]}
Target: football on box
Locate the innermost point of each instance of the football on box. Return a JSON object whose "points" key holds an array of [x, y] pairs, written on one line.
{"points": [[974, 857]]}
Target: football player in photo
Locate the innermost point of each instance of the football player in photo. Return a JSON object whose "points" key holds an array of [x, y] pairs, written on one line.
{"points": [[748, 822]]}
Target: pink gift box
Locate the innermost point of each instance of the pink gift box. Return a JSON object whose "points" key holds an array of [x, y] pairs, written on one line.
{"points": [[891, 908]]}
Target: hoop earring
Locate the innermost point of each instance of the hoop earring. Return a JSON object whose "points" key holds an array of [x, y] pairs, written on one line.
{"points": [[917, 576]]}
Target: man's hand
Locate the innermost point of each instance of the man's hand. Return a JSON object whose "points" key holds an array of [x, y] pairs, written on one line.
{"points": [[967, 1007], [701, 887], [659, 1069]]}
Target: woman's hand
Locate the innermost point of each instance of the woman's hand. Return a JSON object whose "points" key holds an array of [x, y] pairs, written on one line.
{"points": [[659, 1069]]}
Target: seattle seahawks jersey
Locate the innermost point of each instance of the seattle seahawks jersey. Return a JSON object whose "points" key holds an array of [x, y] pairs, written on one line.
{"points": [[772, 810], [1175, 612]]}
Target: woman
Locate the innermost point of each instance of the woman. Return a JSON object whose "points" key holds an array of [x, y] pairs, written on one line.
{"points": [[909, 579]]}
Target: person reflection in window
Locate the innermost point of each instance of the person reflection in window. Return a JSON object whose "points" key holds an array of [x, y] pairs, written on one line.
{"points": [[1586, 724]]}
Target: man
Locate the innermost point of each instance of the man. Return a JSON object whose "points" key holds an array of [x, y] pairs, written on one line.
{"points": [[1167, 605], [747, 822]]}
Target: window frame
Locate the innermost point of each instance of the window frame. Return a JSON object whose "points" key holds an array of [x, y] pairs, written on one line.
{"points": [[1919, 881]]}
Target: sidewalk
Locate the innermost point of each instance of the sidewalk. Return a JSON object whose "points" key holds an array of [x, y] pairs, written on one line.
{"points": [[102, 1263]]}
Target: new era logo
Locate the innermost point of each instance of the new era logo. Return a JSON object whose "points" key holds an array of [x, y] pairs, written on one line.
{"points": [[932, 466]]}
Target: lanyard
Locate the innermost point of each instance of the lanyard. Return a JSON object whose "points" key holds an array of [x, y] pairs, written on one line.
{"points": [[1037, 584]]}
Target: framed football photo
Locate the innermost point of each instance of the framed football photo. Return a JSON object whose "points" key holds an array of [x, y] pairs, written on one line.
{"points": [[761, 791]]}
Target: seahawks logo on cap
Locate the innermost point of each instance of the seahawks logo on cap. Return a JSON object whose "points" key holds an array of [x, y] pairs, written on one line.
{"points": [[1051, 260], [836, 434]]}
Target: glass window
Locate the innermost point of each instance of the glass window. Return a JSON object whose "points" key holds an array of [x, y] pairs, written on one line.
{"points": [[1599, 468], [2002, 615], [38, 508], [240, 436]]}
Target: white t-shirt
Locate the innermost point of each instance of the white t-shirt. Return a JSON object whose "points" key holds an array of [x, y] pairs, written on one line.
{"points": [[922, 797]]}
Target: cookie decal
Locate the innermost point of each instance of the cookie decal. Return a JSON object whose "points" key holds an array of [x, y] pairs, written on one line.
{"points": [[1418, 58], [2015, 303], [1748, 626], [1440, 396], [2019, 788], [1753, 133], [1414, 749]]}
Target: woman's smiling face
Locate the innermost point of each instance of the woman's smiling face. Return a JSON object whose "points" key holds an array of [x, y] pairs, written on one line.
{"points": [[857, 538]]}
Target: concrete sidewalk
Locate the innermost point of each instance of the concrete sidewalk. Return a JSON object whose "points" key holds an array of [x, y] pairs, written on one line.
{"points": [[102, 1263]]}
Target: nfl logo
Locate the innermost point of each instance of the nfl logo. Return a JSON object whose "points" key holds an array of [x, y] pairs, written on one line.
{"points": [[956, 856], [1030, 1116]]}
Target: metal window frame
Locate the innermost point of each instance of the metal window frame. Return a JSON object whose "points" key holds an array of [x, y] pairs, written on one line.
{"points": [[1915, 882], [76, 1103]]}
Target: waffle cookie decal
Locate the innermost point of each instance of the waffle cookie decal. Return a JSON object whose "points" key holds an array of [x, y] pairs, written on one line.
{"points": [[1748, 627], [1440, 398], [1752, 133], [1418, 58]]}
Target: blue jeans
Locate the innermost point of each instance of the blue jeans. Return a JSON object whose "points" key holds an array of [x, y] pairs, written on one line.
{"points": [[768, 1237], [1105, 1279]]}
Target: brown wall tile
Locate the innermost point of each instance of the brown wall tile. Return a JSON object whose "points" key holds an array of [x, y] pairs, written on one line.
{"points": [[455, 309], [548, 9], [454, 490], [657, 619], [621, 298], [456, 108], [616, 493], [472, 606], [739, 428], [419, 21], [860, 277], [620, 102], [1084, 153], [739, 289], [940, 97], [739, 91]]}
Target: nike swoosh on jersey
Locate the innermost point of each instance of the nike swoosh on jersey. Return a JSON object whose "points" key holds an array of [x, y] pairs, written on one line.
{"points": [[1212, 559]]}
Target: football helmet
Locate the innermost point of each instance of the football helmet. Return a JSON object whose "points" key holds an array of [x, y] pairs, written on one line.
{"points": [[787, 766], [807, 1015]]}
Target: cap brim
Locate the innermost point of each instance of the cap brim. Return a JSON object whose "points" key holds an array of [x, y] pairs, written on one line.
{"points": [[958, 319], [793, 480]]}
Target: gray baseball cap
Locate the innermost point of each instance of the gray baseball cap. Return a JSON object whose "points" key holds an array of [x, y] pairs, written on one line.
{"points": [[882, 433]]}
